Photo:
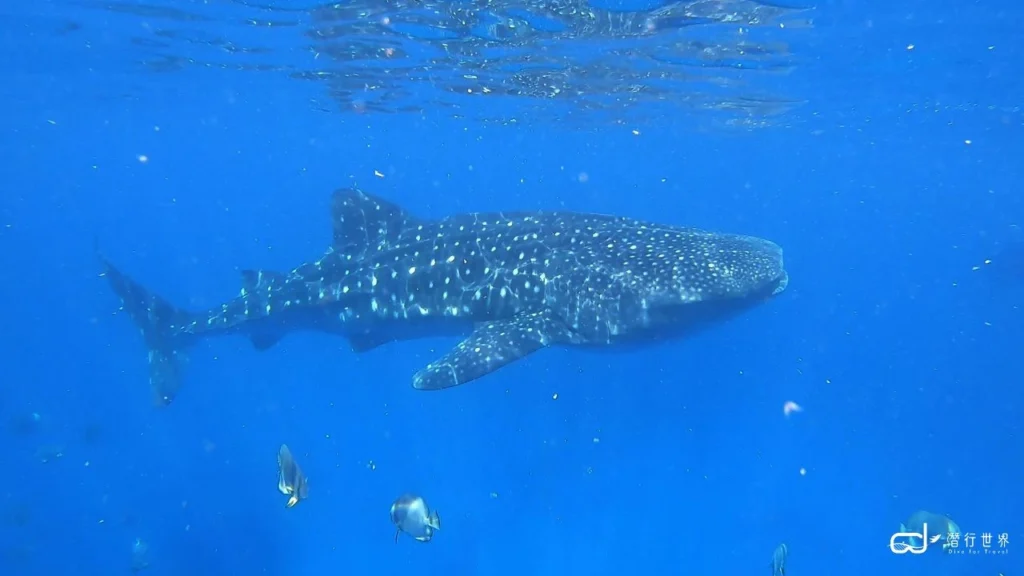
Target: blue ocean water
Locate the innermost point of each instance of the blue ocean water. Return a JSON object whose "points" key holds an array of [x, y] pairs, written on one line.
{"points": [[879, 144]]}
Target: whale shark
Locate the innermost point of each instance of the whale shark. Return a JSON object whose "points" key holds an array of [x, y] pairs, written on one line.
{"points": [[509, 283]]}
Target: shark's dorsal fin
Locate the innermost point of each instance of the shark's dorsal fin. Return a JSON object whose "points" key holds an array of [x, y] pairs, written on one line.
{"points": [[491, 346], [364, 224]]}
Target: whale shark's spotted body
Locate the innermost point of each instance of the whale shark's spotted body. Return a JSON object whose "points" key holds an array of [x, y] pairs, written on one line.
{"points": [[515, 282]]}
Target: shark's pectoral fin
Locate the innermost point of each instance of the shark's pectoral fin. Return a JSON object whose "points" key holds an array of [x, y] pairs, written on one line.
{"points": [[365, 342], [491, 346]]}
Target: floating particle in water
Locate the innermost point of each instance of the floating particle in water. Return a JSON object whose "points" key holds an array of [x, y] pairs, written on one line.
{"points": [[49, 453], [790, 407]]}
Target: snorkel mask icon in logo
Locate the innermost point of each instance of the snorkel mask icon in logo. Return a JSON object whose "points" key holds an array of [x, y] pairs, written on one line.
{"points": [[912, 542]]}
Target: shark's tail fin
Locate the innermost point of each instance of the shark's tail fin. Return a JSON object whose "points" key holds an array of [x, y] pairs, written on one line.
{"points": [[161, 326]]}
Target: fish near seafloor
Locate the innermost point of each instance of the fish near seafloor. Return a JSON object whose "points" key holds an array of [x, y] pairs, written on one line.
{"points": [[511, 282]]}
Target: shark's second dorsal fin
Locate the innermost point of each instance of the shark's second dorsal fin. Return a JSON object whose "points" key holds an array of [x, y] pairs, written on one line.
{"points": [[261, 280], [365, 342], [263, 341], [364, 224]]}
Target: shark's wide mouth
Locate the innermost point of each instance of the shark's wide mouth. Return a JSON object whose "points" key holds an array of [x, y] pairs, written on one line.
{"points": [[781, 284], [775, 275], [782, 276]]}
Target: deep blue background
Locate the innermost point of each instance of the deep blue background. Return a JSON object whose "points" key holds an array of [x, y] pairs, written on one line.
{"points": [[905, 358]]}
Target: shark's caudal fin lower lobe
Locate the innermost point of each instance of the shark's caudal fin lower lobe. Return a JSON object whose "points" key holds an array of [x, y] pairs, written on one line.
{"points": [[160, 324]]}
